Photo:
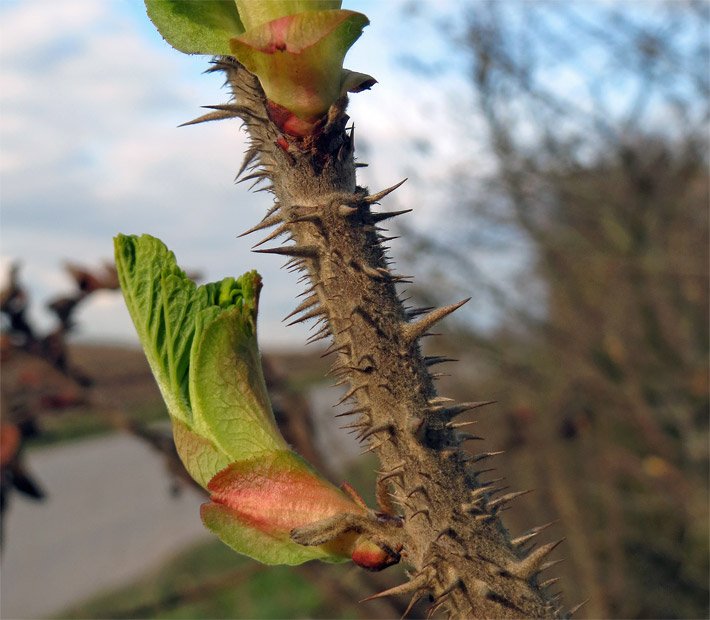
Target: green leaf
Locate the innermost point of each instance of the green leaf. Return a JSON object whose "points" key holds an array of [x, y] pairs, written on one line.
{"points": [[201, 345], [201, 457], [196, 26], [228, 391]]}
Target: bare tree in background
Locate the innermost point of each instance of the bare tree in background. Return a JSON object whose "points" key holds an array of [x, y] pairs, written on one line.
{"points": [[597, 119]]}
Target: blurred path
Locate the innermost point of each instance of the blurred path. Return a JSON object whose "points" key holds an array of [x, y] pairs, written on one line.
{"points": [[108, 517]]}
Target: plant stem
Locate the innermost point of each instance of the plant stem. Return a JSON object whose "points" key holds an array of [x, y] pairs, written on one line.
{"points": [[460, 552]]}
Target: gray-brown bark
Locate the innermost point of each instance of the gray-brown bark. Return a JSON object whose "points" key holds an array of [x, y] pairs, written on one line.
{"points": [[451, 535]]}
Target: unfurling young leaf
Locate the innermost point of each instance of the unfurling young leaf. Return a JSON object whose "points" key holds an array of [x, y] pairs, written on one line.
{"points": [[201, 345], [295, 47]]}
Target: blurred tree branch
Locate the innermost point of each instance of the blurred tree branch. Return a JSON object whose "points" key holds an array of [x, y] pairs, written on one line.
{"points": [[597, 123]]}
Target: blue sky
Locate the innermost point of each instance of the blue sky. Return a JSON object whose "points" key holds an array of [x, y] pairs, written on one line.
{"points": [[90, 100]]}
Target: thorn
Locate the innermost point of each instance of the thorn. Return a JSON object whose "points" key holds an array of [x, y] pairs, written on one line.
{"points": [[423, 511], [576, 608], [309, 315], [477, 495], [250, 156], [237, 110], [309, 291], [304, 305], [549, 582], [335, 348], [413, 312], [485, 455], [299, 251], [455, 425], [321, 334], [394, 473], [376, 273], [439, 400], [267, 222], [381, 217], [497, 504], [484, 518], [529, 566], [437, 359], [550, 564], [355, 425], [350, 393], [218, 115], [452, 412], [375, 429], [468, 437], [415, 584], [372, 448], [412, 331], [259, 174], [273, 209], [530, 534], [415, 597], [352, 412], [294, 264], [419, 489], [373, 198], [276, 233]]}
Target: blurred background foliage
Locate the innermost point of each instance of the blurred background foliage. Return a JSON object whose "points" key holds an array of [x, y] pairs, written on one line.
{"points": [[597, 123], [593, 193]]}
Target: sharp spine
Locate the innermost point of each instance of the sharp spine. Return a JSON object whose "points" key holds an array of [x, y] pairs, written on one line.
{"points": [[267, 222], [438, 359], [308, 315], [530, 534], [497, 504], [276, 233], [452, 412], [352, 412], [576, 608], [530, 565], [218, 115], [380, 428], [549, 582], [299, 251], [373, 198], [417, 583], [382, 217], [485, 455], [304, 305], [413, 331]]}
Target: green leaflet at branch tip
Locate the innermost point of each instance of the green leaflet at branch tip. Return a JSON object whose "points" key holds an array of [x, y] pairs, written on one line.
{"points": [[295, 47], [201, 345], [196, 26]]}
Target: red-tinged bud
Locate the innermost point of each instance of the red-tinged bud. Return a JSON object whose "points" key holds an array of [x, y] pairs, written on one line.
{"points": [[372, 556]]}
